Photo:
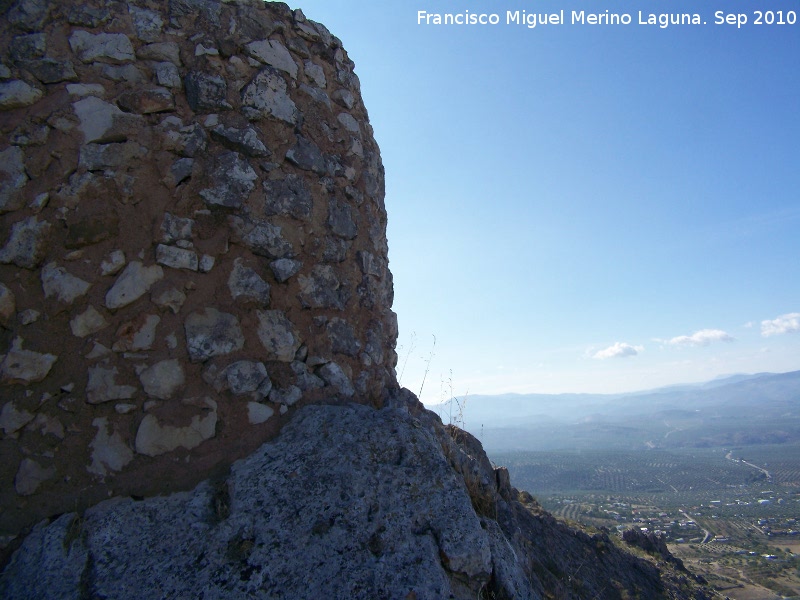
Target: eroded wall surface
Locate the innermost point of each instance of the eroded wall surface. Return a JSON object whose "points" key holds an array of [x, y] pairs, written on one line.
{"points": [[192, 243]]}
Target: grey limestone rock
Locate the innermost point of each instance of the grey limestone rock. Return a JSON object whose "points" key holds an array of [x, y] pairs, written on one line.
{"points": [[247, 377], [176, 228], [109, 451], [8, 304], [306, 155], [247, 286], [305, 379], [13, 419], [209, 9], [30, 476], [341, 219], [266, 95], [162, 379], [344, 97], [28, 47], [155, 437], [168, 297], [12, 179], [103, 387], [233, 180], [87, 16], [176, 258], [103, 122], [335, 377], [49, 70], [148, 23], [24, 366], [168, 52], [243, 140], [287, 396], [113, 263], [322, 289], [17, 94], [362, 504], [212, 333], [147, 101], [285, 268], [262, 238], [113, 48], [278, 335], [99, 157], [168, 75], [273, 53], [29, 14], [206, 93], [88, 322], [342, 337], [258, 413], [56, 281], [349, 122], [288, 196], [315, 74], [133, 283]]}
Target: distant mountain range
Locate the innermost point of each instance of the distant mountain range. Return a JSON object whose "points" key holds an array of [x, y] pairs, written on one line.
{"points": [[733, 410]]}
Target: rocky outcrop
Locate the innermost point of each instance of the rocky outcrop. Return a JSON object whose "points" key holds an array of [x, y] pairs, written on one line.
{"points": [[192, 243], [349, 502]]}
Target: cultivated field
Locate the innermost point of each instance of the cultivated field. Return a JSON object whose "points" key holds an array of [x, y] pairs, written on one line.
{"points": [[732, 514]]}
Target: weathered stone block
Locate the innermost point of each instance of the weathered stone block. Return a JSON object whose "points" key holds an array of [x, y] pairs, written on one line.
{"points": [[212, 333]]}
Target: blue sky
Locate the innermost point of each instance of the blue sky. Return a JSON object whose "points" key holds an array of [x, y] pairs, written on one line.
{"points": [[584, 208]]}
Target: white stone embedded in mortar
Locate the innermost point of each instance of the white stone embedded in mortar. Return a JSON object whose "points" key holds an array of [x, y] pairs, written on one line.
{"points": [[114, 48], [278, 335], [247, 377], [88, 322], [273, 53], [24, 366], [247, 285], [12, 178], [132, 284], [56, 281], [170, 298], [154, 438], [335, 377], [109, 452], [315, 74], [138, 334], [30, 476], [266, 95], [113, 263], [349, 122], [176, 258], [212, 333], [17, 94], [8, 304], [27, 243], [101, 121], [163, 379], [258, 413], [13, 419], [102, 386]]}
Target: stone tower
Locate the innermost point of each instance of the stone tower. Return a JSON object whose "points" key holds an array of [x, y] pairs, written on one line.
{"points": [[192, 243]]}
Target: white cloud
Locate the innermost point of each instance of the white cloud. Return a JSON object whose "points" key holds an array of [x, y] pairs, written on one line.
{"points": [[784, 324], [701, 338], [618, 350]]}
